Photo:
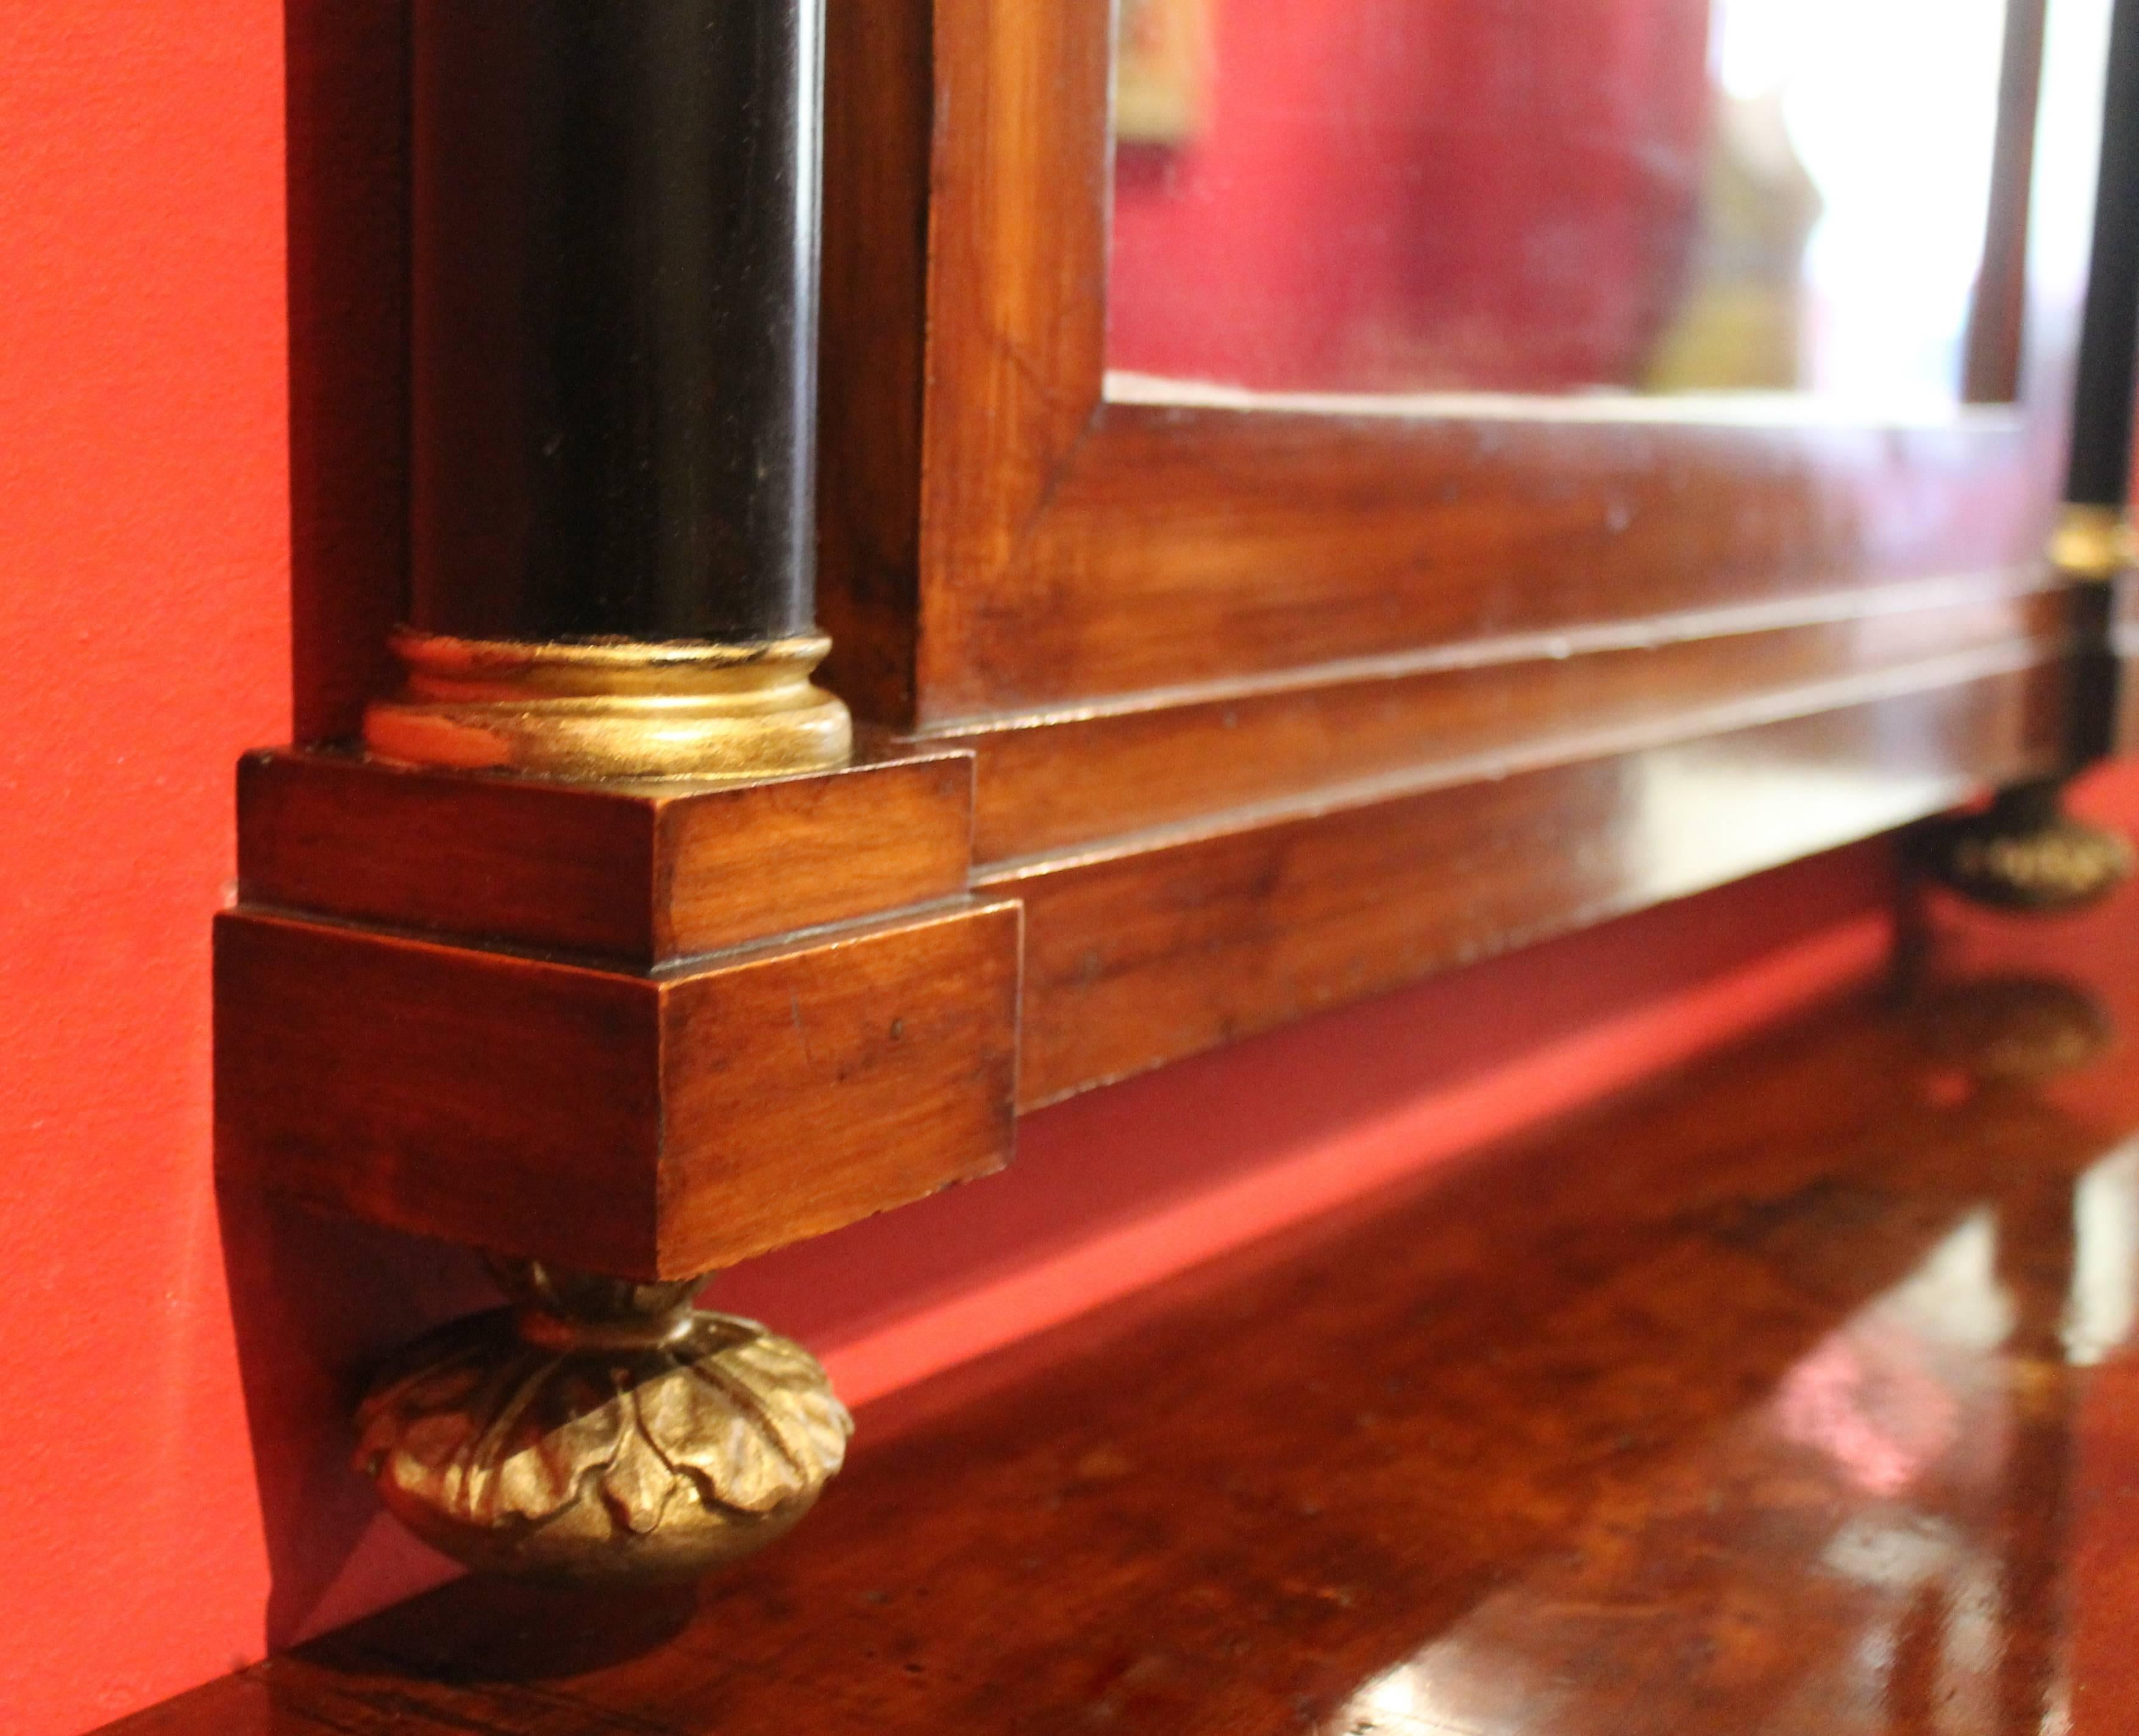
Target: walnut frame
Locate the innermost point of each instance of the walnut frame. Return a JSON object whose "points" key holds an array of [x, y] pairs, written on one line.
{"points": [[1175, 634]]}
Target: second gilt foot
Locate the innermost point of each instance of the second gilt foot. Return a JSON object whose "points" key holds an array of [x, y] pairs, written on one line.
{"points": [[2024, 852]]}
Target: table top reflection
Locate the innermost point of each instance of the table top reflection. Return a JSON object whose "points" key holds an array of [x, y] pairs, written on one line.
{"points": [[1795, 1393]]}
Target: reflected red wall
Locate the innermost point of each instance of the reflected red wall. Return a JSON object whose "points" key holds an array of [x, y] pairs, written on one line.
{"points": [[1411, 193], [182, 458]]}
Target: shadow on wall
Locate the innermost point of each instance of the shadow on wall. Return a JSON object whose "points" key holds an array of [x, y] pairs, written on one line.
{"points": [[347, 100], [315, 1302]]}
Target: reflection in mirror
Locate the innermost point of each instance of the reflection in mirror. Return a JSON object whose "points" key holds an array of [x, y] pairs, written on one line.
{"points": [[1535, 196]]}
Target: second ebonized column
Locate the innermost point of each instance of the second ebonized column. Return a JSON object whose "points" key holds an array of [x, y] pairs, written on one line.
{"points": [[2025, 851]]}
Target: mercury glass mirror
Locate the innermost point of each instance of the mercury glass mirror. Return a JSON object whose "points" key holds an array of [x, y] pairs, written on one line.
{"points": [[1610, 197]]}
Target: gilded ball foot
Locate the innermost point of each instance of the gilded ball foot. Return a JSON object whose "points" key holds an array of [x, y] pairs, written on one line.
{"points": [[600, 1430], [2024, 852]]}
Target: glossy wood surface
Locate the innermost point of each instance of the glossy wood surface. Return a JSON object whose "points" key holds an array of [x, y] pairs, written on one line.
{"points": [[614, 215], [643, 875], [1179, 939], [643, 1126], [1266, 703], [1793, 1393], [877, 144], [1069, 547], [1209, 543], [1098, 774]]}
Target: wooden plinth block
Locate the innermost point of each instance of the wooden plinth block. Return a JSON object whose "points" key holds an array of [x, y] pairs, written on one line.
{"points": [[647, 1031], [649, 1125], [642, 874]]}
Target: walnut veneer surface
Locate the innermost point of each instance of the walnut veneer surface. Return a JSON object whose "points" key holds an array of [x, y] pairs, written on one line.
{"points": [[1795, 1393]]}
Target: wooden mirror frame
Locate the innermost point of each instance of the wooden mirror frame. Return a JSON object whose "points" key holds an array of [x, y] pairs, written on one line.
{"points": [[1274, 707], [1177, 723]]}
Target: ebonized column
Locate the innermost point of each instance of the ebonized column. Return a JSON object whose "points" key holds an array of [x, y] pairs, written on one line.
{"points": [[2100, 474], [2024, 851], [615, 233]]}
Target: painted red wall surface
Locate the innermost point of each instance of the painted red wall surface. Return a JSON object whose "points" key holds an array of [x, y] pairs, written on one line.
{"points": [[143, 607], [198, 412]]}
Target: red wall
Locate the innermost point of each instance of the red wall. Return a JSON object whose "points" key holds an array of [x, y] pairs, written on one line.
{"points": [[180, 460], [144, 604]]}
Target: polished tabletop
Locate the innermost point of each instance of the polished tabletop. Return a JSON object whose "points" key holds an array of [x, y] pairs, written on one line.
{"points": [[1795, 1392]]}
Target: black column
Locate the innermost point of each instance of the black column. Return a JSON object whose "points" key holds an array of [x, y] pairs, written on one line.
{"points": [[2091, 544], [2100, 473], [615, 235]]}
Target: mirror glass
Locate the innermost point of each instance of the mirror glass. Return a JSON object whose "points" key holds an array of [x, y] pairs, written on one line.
{"points": [[1566, 196]]}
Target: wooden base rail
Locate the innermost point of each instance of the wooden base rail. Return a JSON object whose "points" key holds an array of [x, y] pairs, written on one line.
{"points": [[619, 1038], [1796, 1390]]}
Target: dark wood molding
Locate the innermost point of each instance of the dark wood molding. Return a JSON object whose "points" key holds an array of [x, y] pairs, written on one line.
{"points": [[1143, 955], [1098, 775], [877, 141]]}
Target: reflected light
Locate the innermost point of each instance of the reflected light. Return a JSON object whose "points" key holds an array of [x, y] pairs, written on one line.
{"points": [[1883, 101], [2105, 1292], [1879, 1416], [1712, 813], [1686, 200], [1906, 1405], [1872, 1397], [1456, 1687]]}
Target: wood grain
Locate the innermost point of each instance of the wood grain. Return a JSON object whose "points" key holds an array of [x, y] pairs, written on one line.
{"points": [[1660, 1424], [642, 875], [1175, 943], [645, 1126], [1018, 218], [834, 1080], [1180, 547], [878, 62], [1070, 548], [1052, 782]]}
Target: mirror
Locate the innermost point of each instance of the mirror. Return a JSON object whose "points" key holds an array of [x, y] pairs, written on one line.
{"points": [[1569, 197]]}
